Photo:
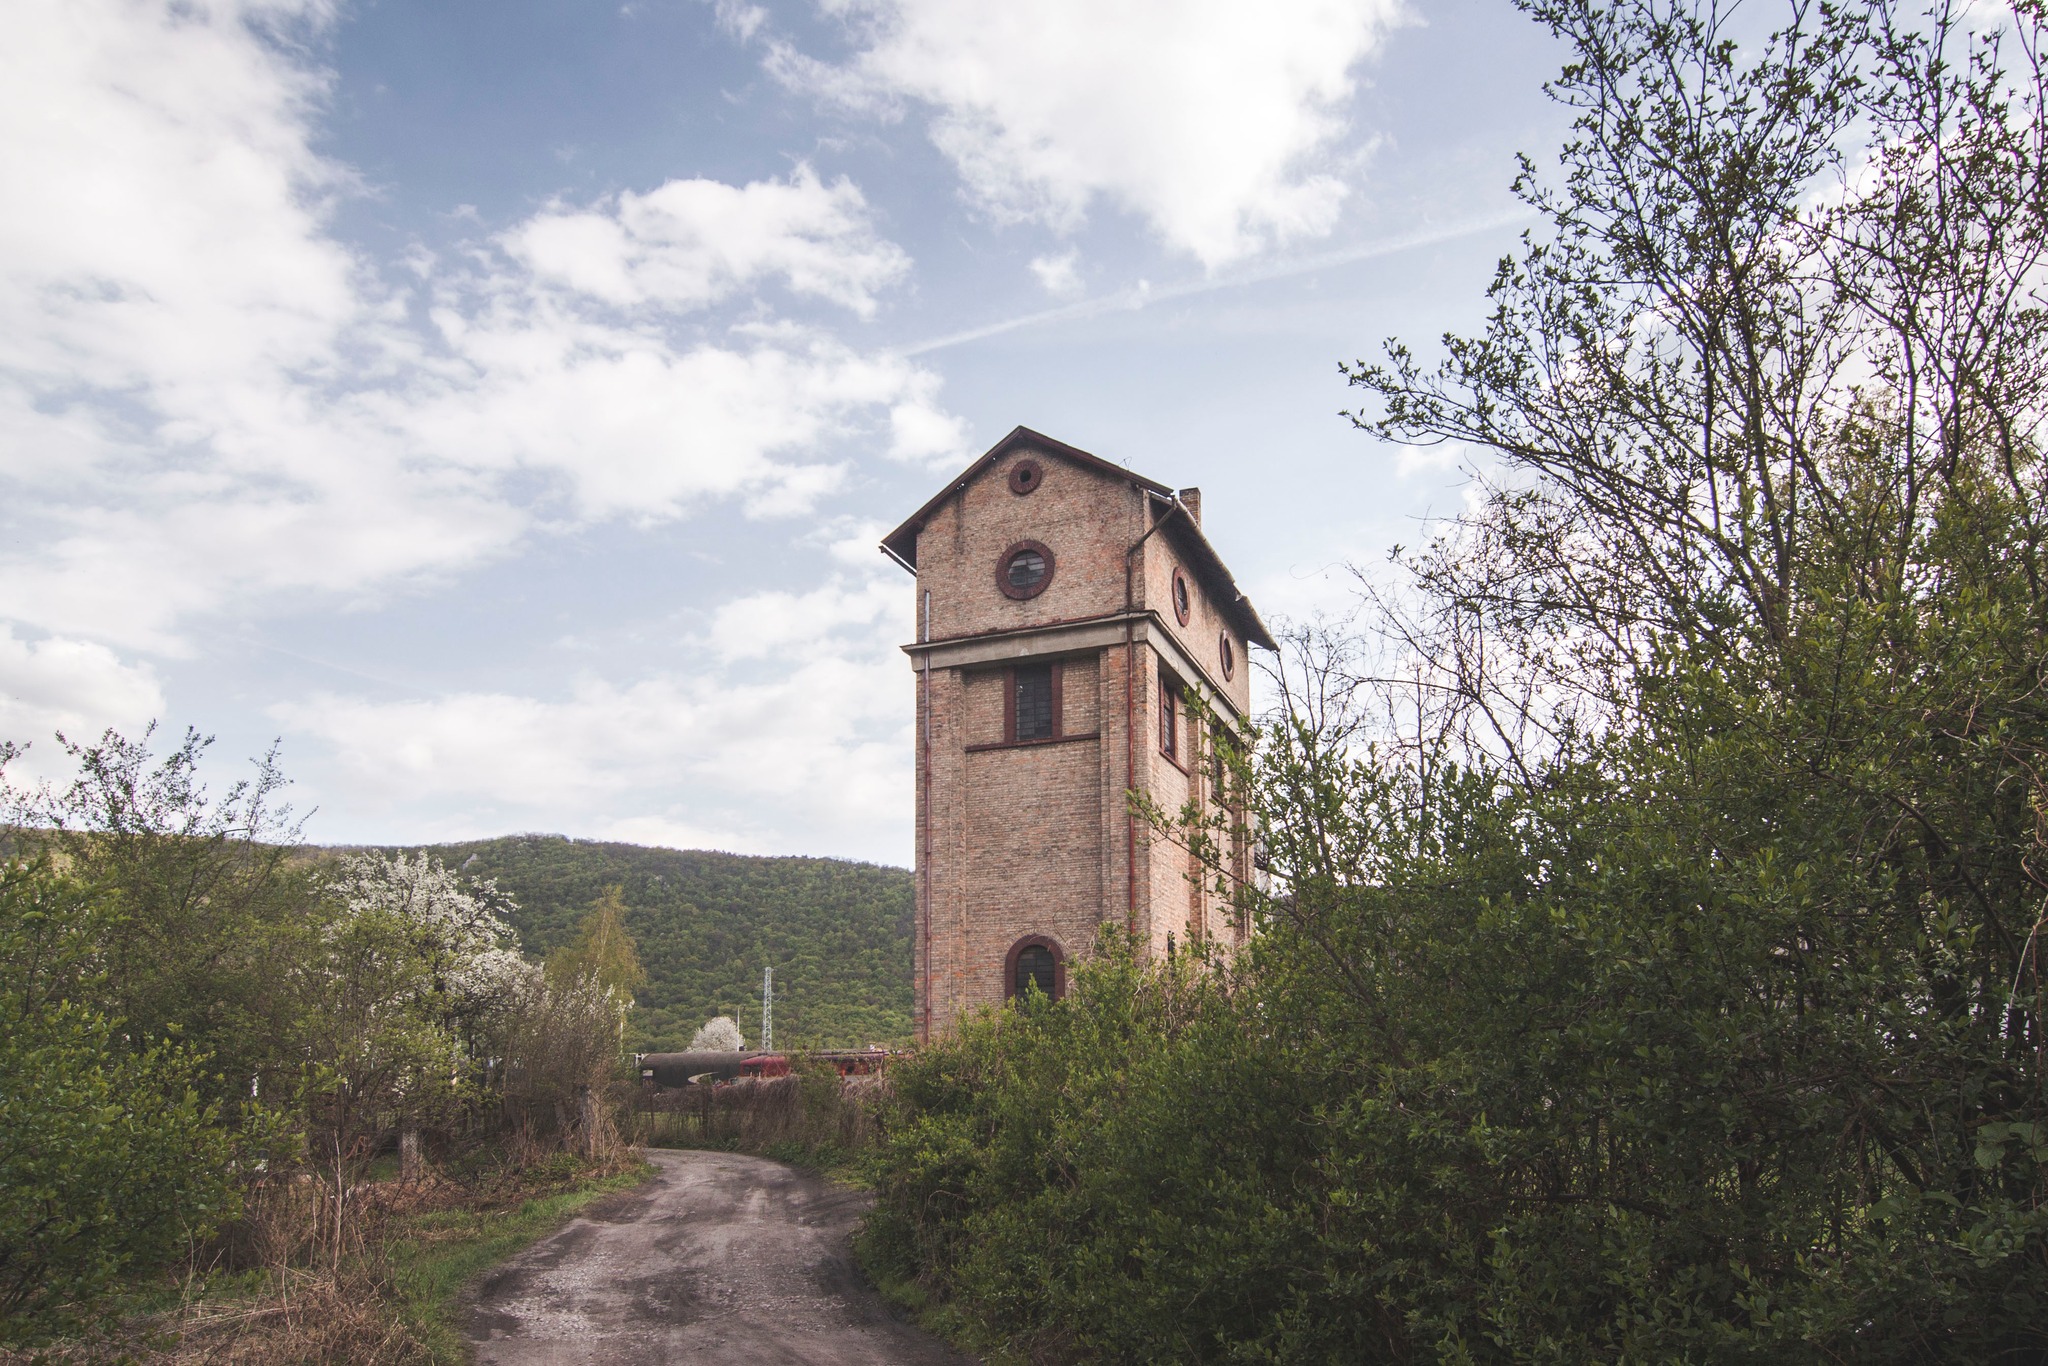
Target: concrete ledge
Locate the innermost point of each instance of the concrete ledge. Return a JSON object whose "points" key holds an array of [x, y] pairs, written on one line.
{"points": [[1073, 638]]}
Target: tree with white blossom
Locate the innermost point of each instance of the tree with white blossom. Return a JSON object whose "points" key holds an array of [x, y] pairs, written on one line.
{"points": [[409, 973]]}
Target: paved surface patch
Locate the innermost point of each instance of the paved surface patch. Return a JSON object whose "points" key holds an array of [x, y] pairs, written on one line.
{"points": [[717, 1258]]}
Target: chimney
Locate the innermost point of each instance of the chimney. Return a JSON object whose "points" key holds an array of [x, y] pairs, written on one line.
{"points": [[1191, 499]]}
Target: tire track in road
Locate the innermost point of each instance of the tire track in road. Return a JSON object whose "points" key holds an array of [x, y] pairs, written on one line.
{"points": [[717, 1258]]}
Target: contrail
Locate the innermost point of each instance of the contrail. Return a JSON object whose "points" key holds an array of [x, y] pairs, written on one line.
{"points": [[1144, 293]]}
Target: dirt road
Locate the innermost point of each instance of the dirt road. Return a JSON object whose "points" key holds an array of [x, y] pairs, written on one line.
{"points": [[718, 1258]]}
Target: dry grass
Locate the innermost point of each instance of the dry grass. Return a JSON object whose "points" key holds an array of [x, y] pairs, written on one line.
{"points": [[312, 1317], [303, 1318], [413, 1245]]}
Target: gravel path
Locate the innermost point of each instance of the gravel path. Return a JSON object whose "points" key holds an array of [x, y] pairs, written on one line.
{"points": [[717, 1258]]}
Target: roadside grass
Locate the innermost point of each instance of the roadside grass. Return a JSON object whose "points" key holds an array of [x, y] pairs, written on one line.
{"points": [[948, 1322], [846, 1167], [429, 1259], [392, 1305]]}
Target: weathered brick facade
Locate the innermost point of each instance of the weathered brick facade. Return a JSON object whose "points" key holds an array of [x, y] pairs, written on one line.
{"points": [[1027, 839]]}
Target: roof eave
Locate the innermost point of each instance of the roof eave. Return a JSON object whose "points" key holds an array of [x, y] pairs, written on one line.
{"points": [[901, 544], [1246, 617]]}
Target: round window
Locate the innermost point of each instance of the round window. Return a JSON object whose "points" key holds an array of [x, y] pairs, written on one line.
{"points": [[1183, 603], [1026, 475], [1228, 653], [1024, 570]]}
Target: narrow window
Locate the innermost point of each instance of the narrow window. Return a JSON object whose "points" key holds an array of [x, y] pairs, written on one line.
{"points": [[1033, 702], [1169, 718]]}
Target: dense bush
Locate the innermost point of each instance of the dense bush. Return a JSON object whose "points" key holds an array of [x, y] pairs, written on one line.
{"points": [[1126, 1174], [109, 1159], [197, 1010]]}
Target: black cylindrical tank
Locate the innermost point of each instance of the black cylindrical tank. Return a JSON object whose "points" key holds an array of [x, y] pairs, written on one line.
{"points": [[677, 1069]]}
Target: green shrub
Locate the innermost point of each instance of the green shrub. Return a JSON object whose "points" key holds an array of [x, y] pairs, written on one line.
{"points": [[109, 1160]]}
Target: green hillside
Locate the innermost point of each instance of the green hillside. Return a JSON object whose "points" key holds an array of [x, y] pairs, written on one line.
{"points": [[838, 934]]}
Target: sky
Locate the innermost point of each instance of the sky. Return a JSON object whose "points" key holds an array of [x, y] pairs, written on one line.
{"points": [[497, 404]]}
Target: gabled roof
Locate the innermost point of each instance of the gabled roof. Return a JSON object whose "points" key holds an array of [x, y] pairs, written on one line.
{"points": [[901, 544]]}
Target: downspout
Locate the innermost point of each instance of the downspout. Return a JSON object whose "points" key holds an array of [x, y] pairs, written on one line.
{"points": [[924, 637], [1130, 722], [1130, 763]]}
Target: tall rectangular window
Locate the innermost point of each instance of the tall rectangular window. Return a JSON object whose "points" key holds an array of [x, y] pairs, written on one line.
{"points": [[1169, 718], [1032, 701]]}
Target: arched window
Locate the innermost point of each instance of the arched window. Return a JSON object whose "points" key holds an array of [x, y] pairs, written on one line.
{"points": [[1035, 961]]}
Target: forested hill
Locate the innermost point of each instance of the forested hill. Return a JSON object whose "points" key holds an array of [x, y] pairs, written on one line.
{"points": [[838, 934]]}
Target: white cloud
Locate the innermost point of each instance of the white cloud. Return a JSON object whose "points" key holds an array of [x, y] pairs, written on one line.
{"points": [[819, 754], [1437, 462], [1216, 120], [74, 686], [922, 432], [695, 242], [766, 625], [160, 219], [1057, 274], [207, 401], [628, 424], [790, 733], [738, 18]]}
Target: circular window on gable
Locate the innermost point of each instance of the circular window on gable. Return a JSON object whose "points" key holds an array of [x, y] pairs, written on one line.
{"points": [[1026, 475], [1024, 570], [1228, 653], [1183, 601]]}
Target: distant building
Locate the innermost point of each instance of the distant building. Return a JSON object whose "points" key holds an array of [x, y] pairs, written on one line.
{"points": [[1068, 611]]}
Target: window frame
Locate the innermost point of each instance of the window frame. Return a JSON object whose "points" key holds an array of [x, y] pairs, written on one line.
{"points": [[1026, 476], [1058, 682], [1170, 737], [1012, 591]]}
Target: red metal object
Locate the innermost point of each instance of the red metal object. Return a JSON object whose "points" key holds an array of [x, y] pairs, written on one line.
{"points": [[855, 1062]]}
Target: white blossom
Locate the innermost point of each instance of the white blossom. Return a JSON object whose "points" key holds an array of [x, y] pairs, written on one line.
{"points": [[456, 922], [719, 1034]]}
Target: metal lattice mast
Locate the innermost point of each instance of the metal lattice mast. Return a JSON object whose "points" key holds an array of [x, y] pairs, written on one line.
{"points": [[768, 1010]]}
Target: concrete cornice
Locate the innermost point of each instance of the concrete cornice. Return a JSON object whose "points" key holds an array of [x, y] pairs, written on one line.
{"points": [[1087, 636]]}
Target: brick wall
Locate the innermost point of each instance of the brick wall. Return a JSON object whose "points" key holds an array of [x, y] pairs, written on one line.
{"points": [[1085, 518]]}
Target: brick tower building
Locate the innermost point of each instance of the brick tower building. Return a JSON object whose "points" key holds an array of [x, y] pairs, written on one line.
{"points": [[1068, 611]]}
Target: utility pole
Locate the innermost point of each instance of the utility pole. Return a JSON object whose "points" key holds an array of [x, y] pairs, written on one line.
{"points": [[768, 1010]]}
